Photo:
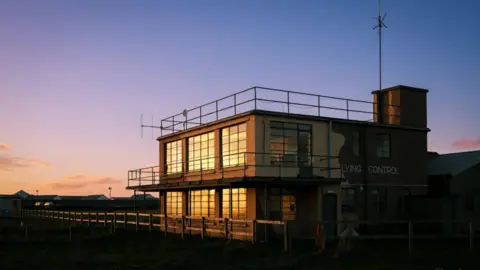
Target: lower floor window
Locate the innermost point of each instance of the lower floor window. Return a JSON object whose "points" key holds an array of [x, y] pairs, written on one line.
{"points": [[175, 203], [238, 203], [202, 203], [282, 204]]}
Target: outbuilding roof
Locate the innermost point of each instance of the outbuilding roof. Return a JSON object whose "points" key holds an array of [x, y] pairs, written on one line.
{"points": [[453, 164]]}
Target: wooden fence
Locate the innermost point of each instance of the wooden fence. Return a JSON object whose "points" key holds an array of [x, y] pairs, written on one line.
{"points": [[203, 226]]}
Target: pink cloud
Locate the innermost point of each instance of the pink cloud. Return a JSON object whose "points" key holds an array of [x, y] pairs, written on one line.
{"points": [[80, 183], [4, 147], [467, 143], [8, 163]]}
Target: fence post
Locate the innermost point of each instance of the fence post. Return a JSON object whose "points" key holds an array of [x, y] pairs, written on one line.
{"points": [[136, 221], [285, 236], [96, 220], [105, 219], [150, 222], [472, 235], [410, 236], [114, 221], [74, 219], [89, 219], [203, 227], [183, 227], [165, 221], [254, 229], [225, 227], [125, 220]]}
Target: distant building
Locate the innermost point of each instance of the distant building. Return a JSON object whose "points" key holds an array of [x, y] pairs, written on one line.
{"points": [[10, 205]]}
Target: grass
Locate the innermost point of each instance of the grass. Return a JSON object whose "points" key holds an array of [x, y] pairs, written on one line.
{"points": [[48, 247]]}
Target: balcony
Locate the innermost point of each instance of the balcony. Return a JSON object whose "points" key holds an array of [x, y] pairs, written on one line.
{"points": [[276, 100], [237, 168]]}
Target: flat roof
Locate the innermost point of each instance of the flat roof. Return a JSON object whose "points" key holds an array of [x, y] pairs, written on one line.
{"points": [[401, 87], [293, 116]]}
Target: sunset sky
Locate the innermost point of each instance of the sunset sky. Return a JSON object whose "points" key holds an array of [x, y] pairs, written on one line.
{"points": [[76, 75]]}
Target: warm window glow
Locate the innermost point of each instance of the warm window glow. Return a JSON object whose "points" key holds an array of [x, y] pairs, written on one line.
{"points": [[290, 143], [282, 204], [201, 152], [174, 203], [234, 145], [173, 157], [202, 203], [239, 203]]}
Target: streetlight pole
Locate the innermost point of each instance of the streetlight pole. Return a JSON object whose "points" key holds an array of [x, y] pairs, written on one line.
{"points": [[110, 192]]}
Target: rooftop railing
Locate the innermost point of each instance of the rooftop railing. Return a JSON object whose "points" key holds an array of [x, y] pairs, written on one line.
{"points": [[274, 100], [253, 165]]}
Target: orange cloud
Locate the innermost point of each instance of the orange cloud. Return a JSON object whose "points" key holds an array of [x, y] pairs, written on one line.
{"points": [[4, 147], [467, 143], [9, 163], [80, 183]]}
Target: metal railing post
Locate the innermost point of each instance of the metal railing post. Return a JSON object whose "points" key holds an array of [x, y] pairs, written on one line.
{"points": [[234, 104], [288, 102], [348, 117], [255, 97], [319, 108]]}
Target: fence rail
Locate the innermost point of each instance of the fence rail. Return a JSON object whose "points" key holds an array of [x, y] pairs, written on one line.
{"points": [[225, 227], [247, 229]]}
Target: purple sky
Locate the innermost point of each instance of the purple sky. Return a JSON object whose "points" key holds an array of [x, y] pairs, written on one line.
{"points": [[76, 75]]}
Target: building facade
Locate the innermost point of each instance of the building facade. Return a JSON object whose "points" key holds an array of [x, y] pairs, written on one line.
{"points": [[309, 161]]}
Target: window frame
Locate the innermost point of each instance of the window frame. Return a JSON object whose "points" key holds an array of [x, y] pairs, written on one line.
{"points": [[200, 197], [179, 155], [240, 151], [226, 203], [380, 144], [190, 149], [276, 155], [356, 143], [178, 196]]}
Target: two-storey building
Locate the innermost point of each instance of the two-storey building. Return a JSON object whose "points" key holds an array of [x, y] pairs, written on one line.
{"points": [[280, 155]]}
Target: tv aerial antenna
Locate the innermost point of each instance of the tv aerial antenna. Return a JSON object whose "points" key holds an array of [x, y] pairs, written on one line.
{"points": [[379, 26], [152, 126]]}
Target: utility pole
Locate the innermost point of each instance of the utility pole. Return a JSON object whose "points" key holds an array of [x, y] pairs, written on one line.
{"points": [[380, 25]]}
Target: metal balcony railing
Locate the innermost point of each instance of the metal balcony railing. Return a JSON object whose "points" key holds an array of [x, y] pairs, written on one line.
{"points": [[275, 100], [250, 165]]}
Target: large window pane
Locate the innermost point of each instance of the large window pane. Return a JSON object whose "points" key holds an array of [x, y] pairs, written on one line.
{"points": [[234, 145], [174, 204], [290, 143], [202, 203], [173, 157], [201, 152], [239, 203]]}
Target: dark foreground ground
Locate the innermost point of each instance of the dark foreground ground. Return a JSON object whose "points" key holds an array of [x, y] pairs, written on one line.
{"points": [[48, 247]]}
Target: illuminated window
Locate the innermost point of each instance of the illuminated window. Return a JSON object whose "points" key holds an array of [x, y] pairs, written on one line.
{"points": [[201, 152], [174, 203], [383, 145], [202, 203], [234, 145], [282, 204], [290, 143], [173, 157], [239, 205]]}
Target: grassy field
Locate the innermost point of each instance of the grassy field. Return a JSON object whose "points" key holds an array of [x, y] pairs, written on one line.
{"points": [[48, 247]]}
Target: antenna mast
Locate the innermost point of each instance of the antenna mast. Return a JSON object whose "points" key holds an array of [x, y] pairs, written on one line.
{"points": [[379, 25]]}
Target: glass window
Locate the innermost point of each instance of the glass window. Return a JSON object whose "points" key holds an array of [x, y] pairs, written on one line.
{"points": [[356, 143], [239, 203], [282, 204], [202, 203], [234, 145], [383, 145], [173, 157], [201, 152], [174, 203], [290, 144]]}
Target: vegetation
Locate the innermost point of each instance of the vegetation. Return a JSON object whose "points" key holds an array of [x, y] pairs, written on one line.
{"points": [[47, 246]]}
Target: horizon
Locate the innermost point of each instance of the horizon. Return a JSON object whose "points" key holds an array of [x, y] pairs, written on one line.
{"points": [[80, 74]]}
